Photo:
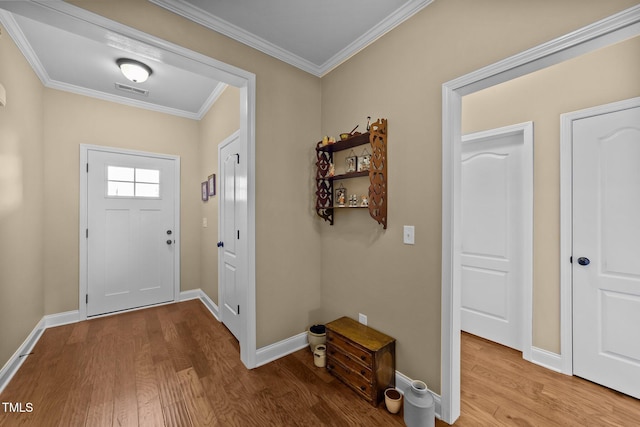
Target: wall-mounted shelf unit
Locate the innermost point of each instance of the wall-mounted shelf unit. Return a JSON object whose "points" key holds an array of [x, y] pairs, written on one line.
{"points": [[377, 173]]}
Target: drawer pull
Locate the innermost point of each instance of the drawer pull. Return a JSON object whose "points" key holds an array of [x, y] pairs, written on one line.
{"points": [[330, 338], [363, 357], [331, 366], [363, 388], [362, 372]]}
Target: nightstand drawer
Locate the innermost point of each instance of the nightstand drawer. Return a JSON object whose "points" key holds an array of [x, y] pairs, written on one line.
{"points": [[348, 360], [348, 347], [352, 379]]}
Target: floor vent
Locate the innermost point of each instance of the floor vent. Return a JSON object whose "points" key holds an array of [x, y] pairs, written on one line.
{"points": [[132, 89]]}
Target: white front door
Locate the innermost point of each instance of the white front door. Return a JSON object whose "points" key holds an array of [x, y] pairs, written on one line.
{"points": [[606, 249], [496, 233], [131, 231], [230, 268]]}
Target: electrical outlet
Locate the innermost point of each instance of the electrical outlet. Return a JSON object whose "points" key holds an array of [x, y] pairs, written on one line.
{"points": [[362, 318]]}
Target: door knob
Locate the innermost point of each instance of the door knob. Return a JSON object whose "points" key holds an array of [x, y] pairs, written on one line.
{"points": [[169, 232], [584, 261], [221, 244], [169, 242]]}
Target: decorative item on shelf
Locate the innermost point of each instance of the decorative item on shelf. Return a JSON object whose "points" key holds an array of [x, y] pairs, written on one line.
{"points": [[353, 201], [204, 187], [332, 169], [212, 184], [352, 161], [393, 400], [332, 140], [364, 201], [316, 335], [419, 406], [325, 141], [320, 356], [341, 196], [364, 161], [368, 123]]}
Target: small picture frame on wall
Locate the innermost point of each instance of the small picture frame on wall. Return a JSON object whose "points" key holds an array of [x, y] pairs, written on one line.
{"points": [[212, 184], [205, 191], [351, 164]]}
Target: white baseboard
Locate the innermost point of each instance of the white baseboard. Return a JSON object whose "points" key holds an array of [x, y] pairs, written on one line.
{"points": [[13, 364], [202, 296], [59, 319], [403, 383], [280, 349], [546, 359]]}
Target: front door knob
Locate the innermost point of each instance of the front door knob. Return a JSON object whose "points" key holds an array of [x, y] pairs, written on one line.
{"points": [[221, 244], [169, 242], [584, 261]]}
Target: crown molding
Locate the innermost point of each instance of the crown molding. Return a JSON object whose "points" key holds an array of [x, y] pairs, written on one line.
{"points": [[18, 37], [206, 19]]}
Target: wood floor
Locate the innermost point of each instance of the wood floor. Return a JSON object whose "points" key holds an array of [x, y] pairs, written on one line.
{"points": [[175, 365]]}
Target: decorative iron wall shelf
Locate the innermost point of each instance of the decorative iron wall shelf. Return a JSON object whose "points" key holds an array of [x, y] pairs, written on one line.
{"points": [[377, 138]]}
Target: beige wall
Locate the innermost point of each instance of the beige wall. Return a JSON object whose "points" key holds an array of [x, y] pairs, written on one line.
{"points": [[604, 76], [222, 120], [400, 77], [21, 200]]}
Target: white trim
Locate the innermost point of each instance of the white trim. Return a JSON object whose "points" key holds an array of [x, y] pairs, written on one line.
{"points": [[203, 297], [84, 217], [546, 359], [610, 30], [566, 220], [526, 130], [282, 348], [15, 361], [206, 19], [59, 319]]}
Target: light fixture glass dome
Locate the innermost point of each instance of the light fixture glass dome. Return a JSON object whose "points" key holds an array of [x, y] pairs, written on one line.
{"points": [[134, 70]]}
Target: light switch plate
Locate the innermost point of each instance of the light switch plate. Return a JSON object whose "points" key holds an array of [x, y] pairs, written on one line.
{"points": [[205, 222], [408, 235]]}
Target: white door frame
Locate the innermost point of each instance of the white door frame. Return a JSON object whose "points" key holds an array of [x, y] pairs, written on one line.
{"points": [[246, 82], [526, 129], [566, 220], [84, 218], [603, 33]]}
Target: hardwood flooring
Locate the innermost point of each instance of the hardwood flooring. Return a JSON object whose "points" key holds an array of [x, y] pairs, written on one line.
{"points": [[499, 388], [175, 365]]}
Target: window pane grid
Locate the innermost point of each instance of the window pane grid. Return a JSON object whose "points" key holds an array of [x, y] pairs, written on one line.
{"points": [[133, 182]]}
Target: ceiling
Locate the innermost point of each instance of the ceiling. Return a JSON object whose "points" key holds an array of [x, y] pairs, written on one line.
{"points": [[72, 49]]}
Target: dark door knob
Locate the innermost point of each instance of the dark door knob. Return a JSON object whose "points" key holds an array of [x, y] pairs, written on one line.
{"points": [[169, 242], [169, 232], [583, 261], [221, 244]]}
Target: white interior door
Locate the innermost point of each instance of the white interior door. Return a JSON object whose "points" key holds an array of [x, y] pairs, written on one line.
{"points": [[131, 231], [606, 249], [496, 234], [230, 268]]}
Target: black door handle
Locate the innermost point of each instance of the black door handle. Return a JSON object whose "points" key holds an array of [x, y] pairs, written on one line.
{"points": [[221, 244], [584, 261], [169, 242]]}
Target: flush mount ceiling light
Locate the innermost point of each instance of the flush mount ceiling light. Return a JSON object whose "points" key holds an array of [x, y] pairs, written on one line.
{"points": [[134, 70]]}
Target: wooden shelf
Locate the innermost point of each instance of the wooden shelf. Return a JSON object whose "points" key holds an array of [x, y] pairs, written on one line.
{"points": [[377, 173], [345, 144]]}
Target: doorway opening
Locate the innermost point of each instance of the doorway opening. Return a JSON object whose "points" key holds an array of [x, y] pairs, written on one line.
{"points": [[609, 31]]}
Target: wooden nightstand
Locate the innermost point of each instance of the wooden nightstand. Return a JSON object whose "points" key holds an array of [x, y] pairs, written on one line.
{"points": [[361, 357]]}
